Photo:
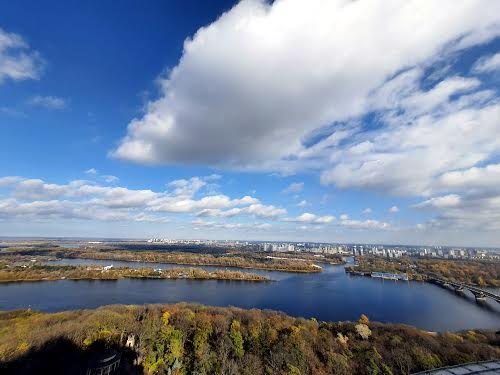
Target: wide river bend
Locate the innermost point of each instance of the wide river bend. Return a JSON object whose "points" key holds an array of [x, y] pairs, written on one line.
{"points": [[331, 296]]}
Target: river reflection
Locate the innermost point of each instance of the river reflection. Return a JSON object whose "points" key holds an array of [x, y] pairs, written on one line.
{"points": [[331, 295]]}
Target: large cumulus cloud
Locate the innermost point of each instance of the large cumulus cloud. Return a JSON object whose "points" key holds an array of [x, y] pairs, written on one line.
{"points": [[253, 84]]}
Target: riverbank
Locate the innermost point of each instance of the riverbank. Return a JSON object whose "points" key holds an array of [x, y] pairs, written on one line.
{"points": [[51, 273], [470, 272], [159, 338]]}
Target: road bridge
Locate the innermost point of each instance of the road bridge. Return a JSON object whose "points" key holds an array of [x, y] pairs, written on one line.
{"points": [[479, 293]]}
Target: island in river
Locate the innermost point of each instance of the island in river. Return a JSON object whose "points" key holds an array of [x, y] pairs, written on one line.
{"points": [[13, 273], [248, 260]]}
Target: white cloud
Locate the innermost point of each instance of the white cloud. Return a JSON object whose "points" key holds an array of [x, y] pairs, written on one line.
{"points": [[232, 226], [260, 210], [367, 211], [32, 189], [346, 222], [34, 198], [119, 197], [416, 148], [187, 188], [446, 201], [394, 209], [303, 203], [487, 177], [487, 64], [423, 102], [17, 61], [474, 213], [365, 224], [57, 209], [216, 108], [434, 134], [294, 187], [213, 177], [141, 217], [255, 209], [473, 204], [311, 218], [180, 204], [9, 180], [110, 179], [49, 102]]}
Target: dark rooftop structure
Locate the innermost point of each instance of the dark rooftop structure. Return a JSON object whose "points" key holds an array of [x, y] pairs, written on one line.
{"points": [[106, 362], [483, 368]]}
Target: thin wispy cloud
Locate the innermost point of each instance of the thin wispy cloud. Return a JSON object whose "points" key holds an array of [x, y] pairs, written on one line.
{"points": [[48, 102], [303, 203], [487, 64], [91, 171], [294, 187]]}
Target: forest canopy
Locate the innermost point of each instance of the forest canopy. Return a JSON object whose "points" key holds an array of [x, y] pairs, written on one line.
{"points": [[196, 339]]}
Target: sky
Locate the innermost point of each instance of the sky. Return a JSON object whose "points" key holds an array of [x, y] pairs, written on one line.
{"points": [[369, 121]]}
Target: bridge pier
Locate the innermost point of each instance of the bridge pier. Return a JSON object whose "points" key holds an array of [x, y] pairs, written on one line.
{"points": [[480, 296]]}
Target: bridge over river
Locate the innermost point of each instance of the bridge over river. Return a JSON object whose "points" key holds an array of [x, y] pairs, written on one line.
{"points": [[479, 293]]}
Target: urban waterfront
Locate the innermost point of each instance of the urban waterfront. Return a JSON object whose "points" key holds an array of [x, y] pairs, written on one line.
{"points": [[331, 296]]}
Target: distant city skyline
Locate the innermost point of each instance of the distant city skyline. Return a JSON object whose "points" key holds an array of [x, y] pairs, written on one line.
{"points": [[12, 240], [317, 121]]}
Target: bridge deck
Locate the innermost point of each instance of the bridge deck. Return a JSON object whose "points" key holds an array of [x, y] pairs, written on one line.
{"points": [[473, 289], [483, 368]]}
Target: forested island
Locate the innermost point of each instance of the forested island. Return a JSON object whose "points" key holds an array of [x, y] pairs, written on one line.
{"points": [[195, 339], [232, 259], [10, 273], [471, 272]]}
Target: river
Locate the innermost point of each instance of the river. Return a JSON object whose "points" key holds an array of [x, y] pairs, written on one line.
{"points": [[331, 296]]}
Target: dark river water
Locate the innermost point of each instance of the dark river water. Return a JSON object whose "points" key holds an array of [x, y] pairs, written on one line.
{"points": [[331, 295]]}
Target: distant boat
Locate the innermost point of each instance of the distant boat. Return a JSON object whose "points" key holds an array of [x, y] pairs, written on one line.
{"points": [[390, 276], [106, 268]]}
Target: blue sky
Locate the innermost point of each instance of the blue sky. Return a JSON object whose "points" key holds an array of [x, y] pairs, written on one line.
{"points": [[319, 121]]}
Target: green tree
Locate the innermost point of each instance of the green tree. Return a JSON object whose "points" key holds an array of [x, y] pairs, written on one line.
{"points": [[174, 345], [236, 339], [201, 344]]}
